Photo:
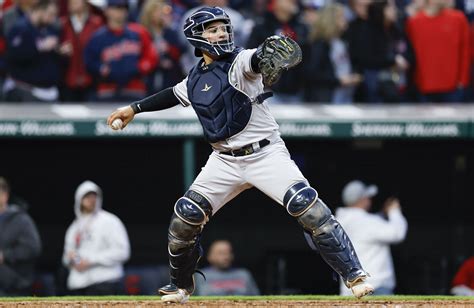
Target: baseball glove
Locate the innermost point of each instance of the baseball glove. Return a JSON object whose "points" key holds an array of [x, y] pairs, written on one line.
{"points": [[275, 54]]}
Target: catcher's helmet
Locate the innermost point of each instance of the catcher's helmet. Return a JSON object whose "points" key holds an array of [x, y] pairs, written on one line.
{"points": [[194, 27]]}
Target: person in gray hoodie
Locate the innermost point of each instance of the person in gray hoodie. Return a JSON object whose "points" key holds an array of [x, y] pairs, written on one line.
{"points": [[20, 246], [96, 246]]}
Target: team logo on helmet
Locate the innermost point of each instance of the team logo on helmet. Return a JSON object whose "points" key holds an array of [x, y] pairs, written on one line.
{"points": [[195, 26]]}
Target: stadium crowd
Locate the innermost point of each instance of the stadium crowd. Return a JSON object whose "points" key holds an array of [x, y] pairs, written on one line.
{"points": [[354, 50]]}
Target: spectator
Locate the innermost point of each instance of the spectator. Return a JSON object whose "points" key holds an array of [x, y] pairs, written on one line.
{"points": [[374, 49], [359, 9], [463, 282], [157, 17], [33, 62], [252, 9], [440, 39], [371, 234], [12, 14], [221, 277], [283, 18], [9, 15], [120, 56], [77, 29], [310, 11], [328, 70], [20, 246], [96, 245]]}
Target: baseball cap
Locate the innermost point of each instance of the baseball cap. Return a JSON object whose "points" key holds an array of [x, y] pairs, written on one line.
{"points": [[356, 190]]}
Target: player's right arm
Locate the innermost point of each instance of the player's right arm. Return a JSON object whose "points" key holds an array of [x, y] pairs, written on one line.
{"points": [[164, 99]]}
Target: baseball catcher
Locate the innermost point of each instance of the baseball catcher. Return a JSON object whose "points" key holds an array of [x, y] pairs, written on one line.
{"points": [[226, 90]]}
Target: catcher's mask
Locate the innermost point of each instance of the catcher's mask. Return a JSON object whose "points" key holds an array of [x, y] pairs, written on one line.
{"points": [[195, 25]]}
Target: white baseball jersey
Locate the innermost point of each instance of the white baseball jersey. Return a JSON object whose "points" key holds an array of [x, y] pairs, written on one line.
{"points": [[271, 169]]}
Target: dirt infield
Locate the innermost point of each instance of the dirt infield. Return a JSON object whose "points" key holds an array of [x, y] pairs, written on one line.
{"points": [[242, 303]]}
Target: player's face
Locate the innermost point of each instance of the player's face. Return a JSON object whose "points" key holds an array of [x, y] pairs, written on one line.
{"points": [[216, 31], [88, 203]]}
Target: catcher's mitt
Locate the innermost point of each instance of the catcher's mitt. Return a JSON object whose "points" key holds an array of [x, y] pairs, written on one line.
{"points": [[275, 54]]}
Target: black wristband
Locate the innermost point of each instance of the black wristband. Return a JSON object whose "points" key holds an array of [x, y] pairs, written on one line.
{"points": [[136, 107]]}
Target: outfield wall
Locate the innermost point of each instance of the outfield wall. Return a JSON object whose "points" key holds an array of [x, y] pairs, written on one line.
{"points": [[304, 121]]}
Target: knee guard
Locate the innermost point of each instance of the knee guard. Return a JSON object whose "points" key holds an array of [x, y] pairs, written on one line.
{"points": [[191, 212], [331, 241], [299, 198]]}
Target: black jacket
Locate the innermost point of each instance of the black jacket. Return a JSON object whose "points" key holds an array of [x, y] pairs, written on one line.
{"points": [[373, 47], [290, 81], [320, 79], [369, 46], [21, 245]]}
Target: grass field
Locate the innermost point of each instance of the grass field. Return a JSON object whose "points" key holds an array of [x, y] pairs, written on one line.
{"points": [[241, 301]]}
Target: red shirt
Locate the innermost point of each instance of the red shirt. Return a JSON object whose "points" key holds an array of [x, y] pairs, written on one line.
{"points": [[442, 49], [465, 274], [76, 74]]}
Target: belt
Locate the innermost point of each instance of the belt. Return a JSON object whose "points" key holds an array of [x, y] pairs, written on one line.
{"points": [[260, 98], [248, 149]]}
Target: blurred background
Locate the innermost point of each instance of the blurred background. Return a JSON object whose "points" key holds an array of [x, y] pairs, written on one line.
{"points": [[383, 95]]}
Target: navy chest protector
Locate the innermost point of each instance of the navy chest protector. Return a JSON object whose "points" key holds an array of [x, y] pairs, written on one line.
{"points": [[222, 110]]}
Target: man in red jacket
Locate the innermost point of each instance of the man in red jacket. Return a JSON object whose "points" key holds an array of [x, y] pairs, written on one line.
{"points": [[440, 39], [77, 29]]}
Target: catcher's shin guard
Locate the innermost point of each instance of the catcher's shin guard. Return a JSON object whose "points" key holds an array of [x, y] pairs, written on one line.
{"points": [[326, 233], [182, 267], [191, 213]]}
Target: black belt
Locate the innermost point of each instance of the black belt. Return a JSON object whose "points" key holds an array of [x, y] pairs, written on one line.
{"points": [[260, 98], [247, 149]]}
